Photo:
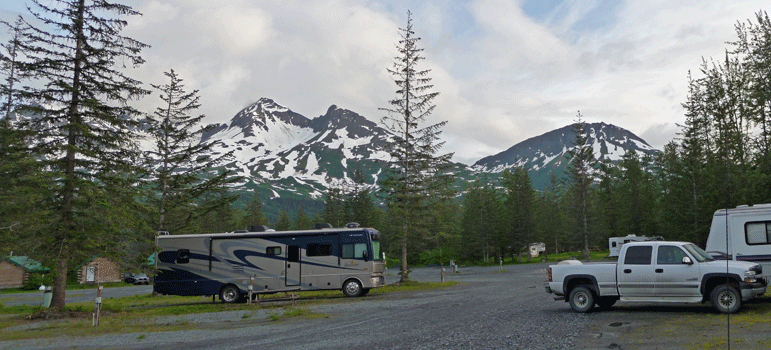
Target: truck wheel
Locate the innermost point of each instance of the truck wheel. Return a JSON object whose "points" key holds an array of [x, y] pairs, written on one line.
{"points": [[230, 294], [581, 299], [606, 302], [726, 299]]}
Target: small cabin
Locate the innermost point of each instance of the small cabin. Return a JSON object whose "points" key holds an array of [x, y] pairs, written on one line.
{"points": [[98, 270], [15, 270]]}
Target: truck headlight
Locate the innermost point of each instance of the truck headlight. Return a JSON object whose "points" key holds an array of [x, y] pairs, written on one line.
{"points": [[750, 277]]}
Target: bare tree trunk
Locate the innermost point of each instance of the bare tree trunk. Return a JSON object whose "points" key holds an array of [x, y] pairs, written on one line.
{"points": [[405, 270]]}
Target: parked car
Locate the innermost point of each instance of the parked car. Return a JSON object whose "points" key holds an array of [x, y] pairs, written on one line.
{"points": [[136, 278]]}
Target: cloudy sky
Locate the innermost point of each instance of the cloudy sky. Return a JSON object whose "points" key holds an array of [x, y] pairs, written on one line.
{"points": [[506, 70]]}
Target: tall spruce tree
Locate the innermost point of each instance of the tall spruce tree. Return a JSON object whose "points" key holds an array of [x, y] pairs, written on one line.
{"points": [[254, 215], [580, 178], [519, 209], [84, 126], [182, 170], [417, 176], [20, 190], [11, 61]]}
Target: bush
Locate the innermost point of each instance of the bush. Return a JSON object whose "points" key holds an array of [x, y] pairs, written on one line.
{"points": [[35, 280]]}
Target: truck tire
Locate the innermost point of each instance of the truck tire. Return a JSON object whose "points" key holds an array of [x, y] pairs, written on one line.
{"points": [[726, 299], [606, 302], [581, 299]]}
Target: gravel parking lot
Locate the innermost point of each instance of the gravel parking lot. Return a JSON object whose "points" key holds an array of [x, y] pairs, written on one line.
{"points": [[490, 310]]}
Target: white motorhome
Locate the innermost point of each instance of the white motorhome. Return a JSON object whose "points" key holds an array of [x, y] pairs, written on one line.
{"points": [[615, 243], [536, 249], [742, 233], [227, 264]]}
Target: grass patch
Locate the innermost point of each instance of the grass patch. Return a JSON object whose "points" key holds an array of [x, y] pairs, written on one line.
{"points": [[134, 314], [749, 327], [294, 312]]}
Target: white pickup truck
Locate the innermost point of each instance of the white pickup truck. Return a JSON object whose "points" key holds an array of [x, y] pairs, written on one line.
{"points": [[660, 272]]}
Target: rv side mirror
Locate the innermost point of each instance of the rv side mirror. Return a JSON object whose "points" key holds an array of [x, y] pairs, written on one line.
{"points": [[687, 260], [364, 255]]}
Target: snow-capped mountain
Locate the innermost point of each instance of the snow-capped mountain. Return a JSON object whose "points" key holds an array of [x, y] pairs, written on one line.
{"points": [[277, 147], [547, 152]]}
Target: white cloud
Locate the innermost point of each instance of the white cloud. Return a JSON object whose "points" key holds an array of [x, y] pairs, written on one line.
{"points": [[503, 75]]}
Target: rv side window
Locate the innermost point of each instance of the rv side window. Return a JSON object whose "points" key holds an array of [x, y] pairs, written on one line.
{"points": [[273, 251], [613, 244], [318, 250], [183, 256], [757, 233], [638, 255], [353, 251]]}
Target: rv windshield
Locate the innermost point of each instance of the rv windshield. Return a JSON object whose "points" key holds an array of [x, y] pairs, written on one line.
{"points": [[699, 254], [376, 246]]}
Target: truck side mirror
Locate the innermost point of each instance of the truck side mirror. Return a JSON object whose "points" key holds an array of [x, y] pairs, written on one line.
{"points": [[687, 260]]}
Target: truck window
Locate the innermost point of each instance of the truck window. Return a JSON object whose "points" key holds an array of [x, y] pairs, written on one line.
{"points": [[757, 233], [670, 255], [638, 255]]}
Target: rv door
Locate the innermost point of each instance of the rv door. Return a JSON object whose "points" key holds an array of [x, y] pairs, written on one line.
{"points": [[293, 265]]}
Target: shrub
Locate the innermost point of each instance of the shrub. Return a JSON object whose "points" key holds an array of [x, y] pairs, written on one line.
{"points": [[35, 280]]}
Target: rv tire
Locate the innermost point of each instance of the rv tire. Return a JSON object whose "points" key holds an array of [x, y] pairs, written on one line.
{"points": [[352, 288], [230, 294]]}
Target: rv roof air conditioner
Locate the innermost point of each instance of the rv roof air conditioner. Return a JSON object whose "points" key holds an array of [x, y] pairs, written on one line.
{"points": [[352, 225], [258, 228]]}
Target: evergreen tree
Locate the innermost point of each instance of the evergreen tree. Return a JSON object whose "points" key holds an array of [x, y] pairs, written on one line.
{"points": [[609, 202], [416, 177], [302, 221], [11, 62], [254, 215], [550, 216], [482, 222], [359, 203], [580, 179], [519, 209], [21, 191], [283, 223], [180, 167], [334, 207], [84, 125]]}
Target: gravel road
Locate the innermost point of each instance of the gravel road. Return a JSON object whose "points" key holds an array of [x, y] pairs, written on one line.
{"points": [[489, 310]]}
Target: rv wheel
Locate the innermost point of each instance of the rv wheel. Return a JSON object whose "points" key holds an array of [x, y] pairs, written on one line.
{"points": [[230, 294], [352, 288]]}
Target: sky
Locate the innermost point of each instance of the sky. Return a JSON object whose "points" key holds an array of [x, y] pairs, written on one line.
{"points": [[505, 71]]}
